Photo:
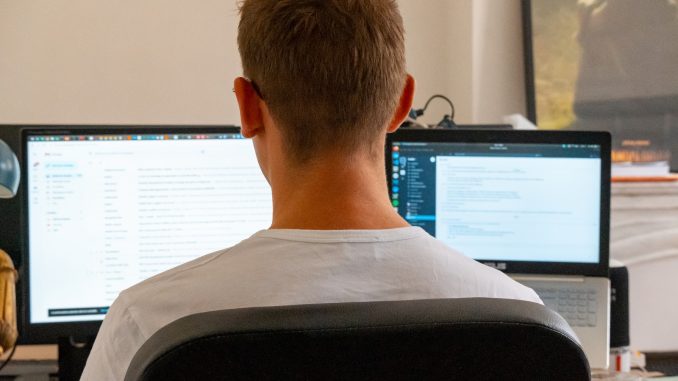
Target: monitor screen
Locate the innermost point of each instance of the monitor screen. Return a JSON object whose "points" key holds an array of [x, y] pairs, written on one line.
{"points": [[503, 201], [106, 211]]}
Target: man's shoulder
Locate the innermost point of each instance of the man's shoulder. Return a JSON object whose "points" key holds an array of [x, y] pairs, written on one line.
{"points": [[274, 255], [189, 266], [195, 272], [476, 278]]}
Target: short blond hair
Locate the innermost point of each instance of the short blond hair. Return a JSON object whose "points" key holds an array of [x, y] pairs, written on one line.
{"points": [[330, 71]]}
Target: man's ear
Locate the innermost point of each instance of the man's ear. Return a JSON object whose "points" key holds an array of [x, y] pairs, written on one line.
{"points": [[404, 105], [249, 103]]}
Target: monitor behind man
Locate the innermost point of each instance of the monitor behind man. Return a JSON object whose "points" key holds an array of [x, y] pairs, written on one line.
{"points": [[534, 204], [107, 207], [325, 82]]}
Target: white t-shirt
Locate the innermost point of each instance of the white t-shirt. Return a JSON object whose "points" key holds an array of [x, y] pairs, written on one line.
{"points": [[287, 267]]}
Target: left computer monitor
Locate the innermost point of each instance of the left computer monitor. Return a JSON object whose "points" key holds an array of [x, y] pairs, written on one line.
{"points": [[106, 208]]}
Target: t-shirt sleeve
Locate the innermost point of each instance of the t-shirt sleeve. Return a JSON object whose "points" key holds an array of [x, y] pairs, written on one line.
{"points": [[507, 288], [533, 297], [522, 292], [118, 340]]}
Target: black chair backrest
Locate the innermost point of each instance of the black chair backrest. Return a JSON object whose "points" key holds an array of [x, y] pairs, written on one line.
{"points": [[442, 339]]}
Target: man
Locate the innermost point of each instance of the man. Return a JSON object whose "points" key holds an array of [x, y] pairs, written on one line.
{"points": [[326, 82]]}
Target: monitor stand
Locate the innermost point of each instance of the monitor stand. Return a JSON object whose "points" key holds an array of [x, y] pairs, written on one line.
{"points": [[73, 353]]}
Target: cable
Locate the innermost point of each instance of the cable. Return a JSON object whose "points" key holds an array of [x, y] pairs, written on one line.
{"points": [[446, 122], [439, 96], [9, 358]]}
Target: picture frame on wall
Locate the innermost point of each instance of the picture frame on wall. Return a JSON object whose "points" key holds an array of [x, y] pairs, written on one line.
{"points": [[607, 65]]}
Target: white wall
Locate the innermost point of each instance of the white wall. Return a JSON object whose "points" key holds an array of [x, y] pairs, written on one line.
{"points": [[125, 61], [439, 53], [498, 69], [172, 61], [469, 50]]}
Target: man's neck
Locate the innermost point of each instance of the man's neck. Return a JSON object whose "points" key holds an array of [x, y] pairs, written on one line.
{"points": [[333, 194]]}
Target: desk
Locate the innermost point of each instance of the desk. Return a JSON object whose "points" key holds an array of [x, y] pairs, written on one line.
{"points": [[32, 363]]}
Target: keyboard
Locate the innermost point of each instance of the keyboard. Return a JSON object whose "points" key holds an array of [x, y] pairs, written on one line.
{"points": [[577, 305]]}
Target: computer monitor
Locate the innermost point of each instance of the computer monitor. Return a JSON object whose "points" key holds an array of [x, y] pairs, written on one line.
{"points": [[521, 201], [105, 208]]}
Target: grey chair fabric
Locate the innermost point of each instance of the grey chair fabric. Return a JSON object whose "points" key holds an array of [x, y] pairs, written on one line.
{"points": [[442, 339]]}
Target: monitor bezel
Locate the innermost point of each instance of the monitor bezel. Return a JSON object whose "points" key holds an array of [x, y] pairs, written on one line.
{"points": [[529, 137], [49, 333]]}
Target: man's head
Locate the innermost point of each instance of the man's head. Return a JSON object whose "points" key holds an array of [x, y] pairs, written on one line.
{"points": [[329, 74]]}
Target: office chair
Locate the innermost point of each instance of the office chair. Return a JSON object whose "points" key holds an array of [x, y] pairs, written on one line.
{"points": [[442, 339]]}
